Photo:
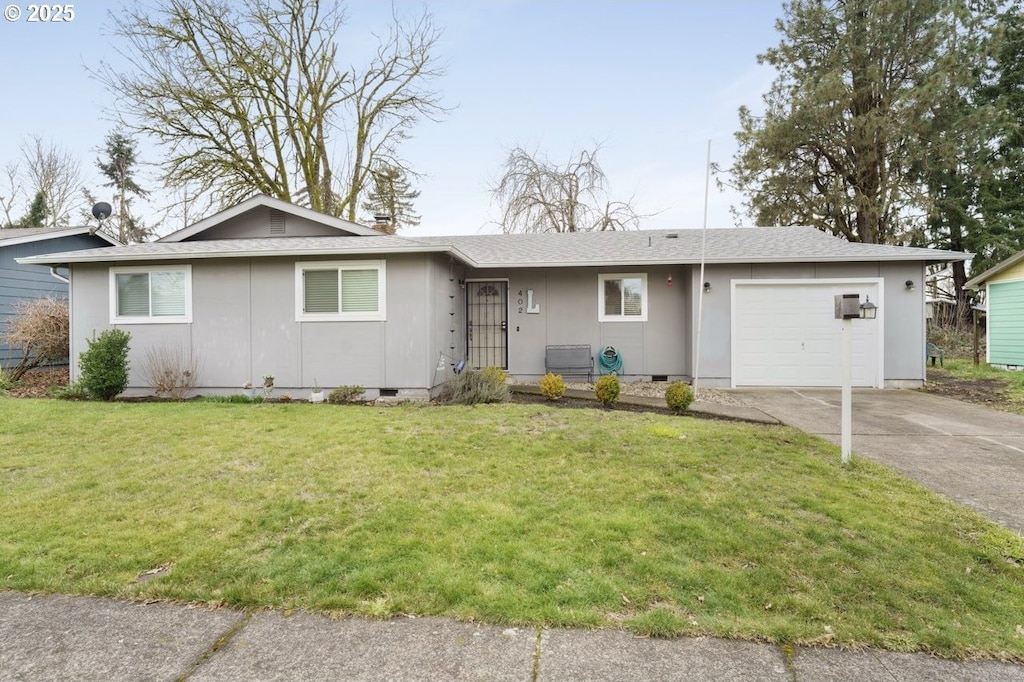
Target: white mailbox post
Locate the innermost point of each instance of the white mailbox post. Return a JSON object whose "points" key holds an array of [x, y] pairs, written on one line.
{"points": [[848, 309]]}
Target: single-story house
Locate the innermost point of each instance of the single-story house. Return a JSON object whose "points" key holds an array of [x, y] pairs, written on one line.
{"points": [[1004, 295], [20, 282], [269, 288]]}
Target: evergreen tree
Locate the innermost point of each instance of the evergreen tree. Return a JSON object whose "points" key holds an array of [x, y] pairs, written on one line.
{"points": [[37, 212], [1001, 191], [119, 169], [857, 83], [391, 196]]}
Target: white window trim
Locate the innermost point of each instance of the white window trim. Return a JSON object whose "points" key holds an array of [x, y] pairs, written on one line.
{"points": [[379, 316], [150, 319], [601, 278]]}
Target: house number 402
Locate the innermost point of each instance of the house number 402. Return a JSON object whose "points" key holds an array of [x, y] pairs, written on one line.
{"points": [[531, 307]]}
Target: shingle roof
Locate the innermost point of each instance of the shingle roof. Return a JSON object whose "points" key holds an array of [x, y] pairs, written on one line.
{"points": [[728, 245], [732, 245], [22, 235]]}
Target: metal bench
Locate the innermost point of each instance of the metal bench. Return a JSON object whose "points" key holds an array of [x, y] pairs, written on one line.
{"points": [[574, 359]]}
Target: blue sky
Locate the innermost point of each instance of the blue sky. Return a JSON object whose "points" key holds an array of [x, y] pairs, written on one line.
{"points": [[651, 82]]}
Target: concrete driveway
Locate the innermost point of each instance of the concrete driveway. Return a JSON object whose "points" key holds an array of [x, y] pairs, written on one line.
{"points": [[969, 453]]}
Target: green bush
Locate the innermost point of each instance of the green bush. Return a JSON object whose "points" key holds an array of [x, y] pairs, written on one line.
{"points": [[5, 381], [104, 364], [345, 394], [678, 396], [607, 389], [471, 387], [552, 386]]}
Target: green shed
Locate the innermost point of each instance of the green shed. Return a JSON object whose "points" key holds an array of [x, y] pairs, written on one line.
{"points": [[1004, 291]]}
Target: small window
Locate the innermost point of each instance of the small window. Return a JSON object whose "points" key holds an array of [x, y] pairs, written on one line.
{"points": [[622, 298], [341, 290], [146, 295]]}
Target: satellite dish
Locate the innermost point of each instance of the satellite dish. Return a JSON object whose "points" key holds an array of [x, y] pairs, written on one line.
{"points": [[101, 211]]}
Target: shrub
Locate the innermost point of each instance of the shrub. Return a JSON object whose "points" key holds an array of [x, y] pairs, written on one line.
{"points": [[172, 372], [607, 389], [104, 364], [495, 374], [471, 387], [345, 394], [552, 386], [5, 381], [40, 328], [678, 396]]}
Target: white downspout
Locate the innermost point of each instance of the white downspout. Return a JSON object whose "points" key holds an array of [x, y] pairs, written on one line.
{"points": [[58, 276]]}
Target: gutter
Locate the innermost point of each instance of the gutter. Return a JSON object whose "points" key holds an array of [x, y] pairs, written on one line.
{"points": [[56, 275]]}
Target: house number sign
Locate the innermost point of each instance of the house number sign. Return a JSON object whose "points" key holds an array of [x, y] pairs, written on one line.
{"points": [[531, 308]]}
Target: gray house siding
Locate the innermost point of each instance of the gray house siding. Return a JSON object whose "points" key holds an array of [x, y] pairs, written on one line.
{"points": [[243, 328], [20, 282], [904, 325], [568, 301], [259, 223]]}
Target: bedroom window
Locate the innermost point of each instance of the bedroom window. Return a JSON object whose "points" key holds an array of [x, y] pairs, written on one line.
{"points": [[622, 298], [340, 290], [147, 295]]}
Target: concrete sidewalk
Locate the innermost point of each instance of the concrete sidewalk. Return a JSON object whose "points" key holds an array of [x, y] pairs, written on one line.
{"points": [[108, 640]]}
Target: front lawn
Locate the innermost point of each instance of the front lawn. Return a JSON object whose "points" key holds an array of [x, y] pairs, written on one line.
{"points": [[509, 514]]}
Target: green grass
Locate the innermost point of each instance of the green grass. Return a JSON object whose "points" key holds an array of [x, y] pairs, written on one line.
{"points": [[509, 514]]}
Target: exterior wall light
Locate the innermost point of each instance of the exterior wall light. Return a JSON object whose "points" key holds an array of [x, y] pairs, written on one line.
{"points": [[707, 287], [868, 310], [909, 284]]}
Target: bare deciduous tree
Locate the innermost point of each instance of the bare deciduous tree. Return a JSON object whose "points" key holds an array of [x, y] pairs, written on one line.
{"points": [[53, 173], [537, 195], [248, 97], [12, 190]]}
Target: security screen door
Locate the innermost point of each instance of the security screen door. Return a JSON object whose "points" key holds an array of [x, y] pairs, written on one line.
{"points": [[487, 324]]}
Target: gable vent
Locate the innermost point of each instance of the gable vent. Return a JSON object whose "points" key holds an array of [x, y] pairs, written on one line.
{"points": [[276, 221]]}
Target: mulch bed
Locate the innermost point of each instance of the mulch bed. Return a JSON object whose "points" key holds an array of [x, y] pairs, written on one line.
{"points": [[584, 404], [36, 383]]}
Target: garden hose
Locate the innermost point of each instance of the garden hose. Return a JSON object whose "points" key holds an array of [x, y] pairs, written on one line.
{"points": [[609, 361]]}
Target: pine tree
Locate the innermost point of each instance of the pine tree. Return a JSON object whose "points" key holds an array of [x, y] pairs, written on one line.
{"points": [[858, 82], [37, 212], [391, 196], [1001, 191], [119, 169]]}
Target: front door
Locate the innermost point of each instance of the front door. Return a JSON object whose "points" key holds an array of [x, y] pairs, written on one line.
{"points": [[487, 324]]}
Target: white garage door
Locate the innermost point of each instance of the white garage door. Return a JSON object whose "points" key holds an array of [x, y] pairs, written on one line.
{"points": [[786, 334]]}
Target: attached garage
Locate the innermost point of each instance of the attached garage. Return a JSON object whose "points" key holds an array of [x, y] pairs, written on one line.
{"points": [[785, 333]]}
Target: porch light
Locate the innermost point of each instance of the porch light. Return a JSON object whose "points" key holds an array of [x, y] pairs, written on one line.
{"points": [[868, 310], [909, 284], [707, 287]]}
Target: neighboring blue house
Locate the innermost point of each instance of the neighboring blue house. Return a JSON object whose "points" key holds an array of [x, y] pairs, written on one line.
{"points": [[19, 282]]}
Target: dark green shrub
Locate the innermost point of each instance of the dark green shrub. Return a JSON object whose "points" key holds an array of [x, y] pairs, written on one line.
{"points": [[607, 389], [104, 364], [678, 396], [345, 394], [552, 386], [471, 387]]}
